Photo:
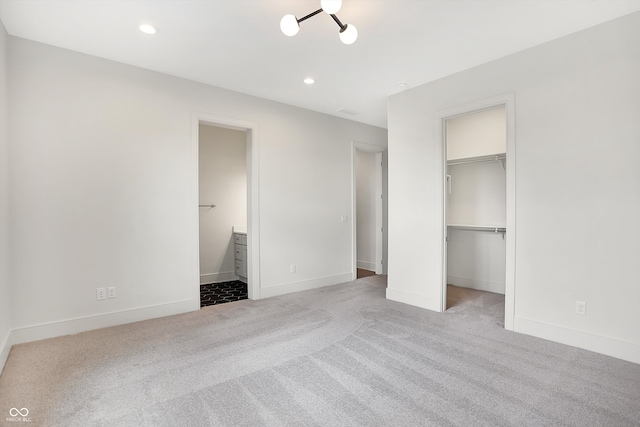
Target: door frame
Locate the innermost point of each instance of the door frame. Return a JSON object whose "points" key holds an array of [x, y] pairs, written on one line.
{"points": [[508, 101], [253, 200], [379, 251]]}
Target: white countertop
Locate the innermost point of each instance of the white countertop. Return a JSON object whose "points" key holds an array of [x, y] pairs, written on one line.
{"points": [[240, 229]]}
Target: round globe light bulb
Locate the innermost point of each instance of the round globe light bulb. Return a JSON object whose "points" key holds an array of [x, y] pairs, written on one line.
{"points": [[349, 34], [331, 6], [289, 25]]}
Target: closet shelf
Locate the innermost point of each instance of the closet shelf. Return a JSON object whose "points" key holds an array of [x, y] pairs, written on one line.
{"points": [[501, 157], [492, 228]]}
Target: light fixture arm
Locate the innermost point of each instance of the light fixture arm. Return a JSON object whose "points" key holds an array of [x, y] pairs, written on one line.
{"points": [[340, 24], [309, 15]]}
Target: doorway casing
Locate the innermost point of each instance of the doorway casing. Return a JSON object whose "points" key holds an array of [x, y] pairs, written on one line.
{"points": [[508, 101], [253, 211]]}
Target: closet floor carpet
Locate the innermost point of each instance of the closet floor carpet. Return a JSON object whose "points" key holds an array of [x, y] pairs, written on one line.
{"points": [[472, 304], [219, 293]]}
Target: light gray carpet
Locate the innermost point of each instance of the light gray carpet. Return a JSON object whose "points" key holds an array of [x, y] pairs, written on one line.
{"points": [[336, 356], [476, 306]]}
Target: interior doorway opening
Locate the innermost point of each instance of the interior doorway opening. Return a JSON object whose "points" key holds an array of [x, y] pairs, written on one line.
{"points": [[479, 210], [222, 176], [368, 210], [230, 206]]}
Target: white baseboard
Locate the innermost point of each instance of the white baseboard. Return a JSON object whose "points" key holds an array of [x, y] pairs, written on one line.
{"points": [[371, 266], [4, 350], [306, 285], [225, 276], [480, 285], [87, 323], [417, 300], [610, 346]]}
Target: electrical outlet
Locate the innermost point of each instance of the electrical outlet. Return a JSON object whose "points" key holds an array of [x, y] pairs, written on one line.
{"points": [[581, 307], [111, 292], [101, 293], [292, 268]]}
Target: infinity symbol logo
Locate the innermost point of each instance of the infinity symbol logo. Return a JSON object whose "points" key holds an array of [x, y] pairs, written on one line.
{"points": [[14, 412]]}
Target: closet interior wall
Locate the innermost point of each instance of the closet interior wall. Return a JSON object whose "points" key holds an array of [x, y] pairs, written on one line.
{"points": [[476, 200]]}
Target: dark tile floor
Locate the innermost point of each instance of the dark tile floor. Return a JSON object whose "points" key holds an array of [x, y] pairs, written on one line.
{"points": [[219, 293]]}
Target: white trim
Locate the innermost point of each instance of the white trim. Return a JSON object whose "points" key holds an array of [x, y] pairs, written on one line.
{"points": [[4, 350], [367, 265], [253, 199], [379, 194], [416, 300], [480, 285], [253, 211], [440, 127], [508, 100], [306, 285], [354, 212], [97, 321], [605, 345], [225, 276], [510, 237]]}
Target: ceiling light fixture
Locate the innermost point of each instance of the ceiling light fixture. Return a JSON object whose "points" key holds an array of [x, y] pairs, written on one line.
{"points": [[309, 81], [290, 24], [148, 29]]}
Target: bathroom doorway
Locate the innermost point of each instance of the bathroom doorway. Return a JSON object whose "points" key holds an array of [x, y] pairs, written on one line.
{"points": [[227, 192], [222, 173]]}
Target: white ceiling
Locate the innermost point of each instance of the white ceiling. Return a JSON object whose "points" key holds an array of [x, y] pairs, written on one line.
{"points": [[237, 44]]}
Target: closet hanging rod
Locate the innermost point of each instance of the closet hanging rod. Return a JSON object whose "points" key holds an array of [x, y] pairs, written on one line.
{"points": [[491, 158], [207, 206], [479, 228]]}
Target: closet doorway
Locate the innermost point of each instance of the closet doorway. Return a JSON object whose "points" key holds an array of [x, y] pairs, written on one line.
{"points": [[479, 212]]}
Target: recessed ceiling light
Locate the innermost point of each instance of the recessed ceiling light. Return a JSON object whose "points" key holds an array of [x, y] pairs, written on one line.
{"points": [[402, 84], [148, 29], [309, 81]]}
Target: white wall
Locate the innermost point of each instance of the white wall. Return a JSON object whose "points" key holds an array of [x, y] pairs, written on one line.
{"points": [[477, 259], [222, 168], [366, 209], [5, 291], [479, 134], [478, 194], [577, 103], [104, 190]]}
